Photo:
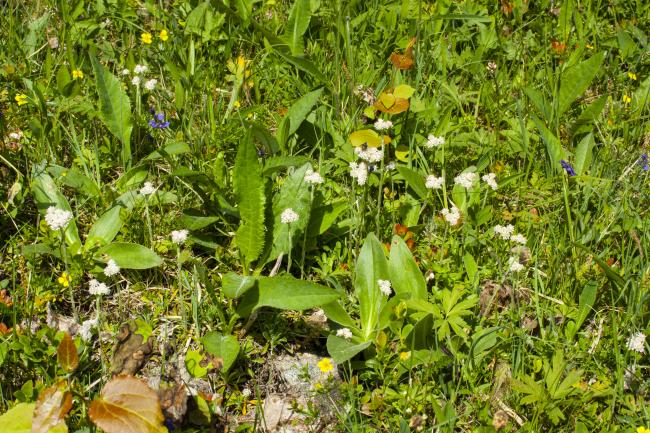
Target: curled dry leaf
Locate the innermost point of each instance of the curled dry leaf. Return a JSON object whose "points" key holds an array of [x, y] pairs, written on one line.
{"points": [[51, 408], [127, 405], [66, 354]]}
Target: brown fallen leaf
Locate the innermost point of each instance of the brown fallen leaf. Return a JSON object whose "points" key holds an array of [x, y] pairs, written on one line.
{"points": [[51, 408], [66, 354]]}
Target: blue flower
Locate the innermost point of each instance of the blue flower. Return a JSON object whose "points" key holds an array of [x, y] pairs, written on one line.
{"points": [[159, 122], [568, 168], [643, 162]]}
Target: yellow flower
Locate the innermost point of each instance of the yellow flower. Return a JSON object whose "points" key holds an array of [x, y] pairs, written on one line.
{"points": [[404, 356], [632, 76], [64, 279], [21, 99], [146, 38], [325, 365], [236, 104], [163, 35], [626, 99], [77, 74], [642, 430]]}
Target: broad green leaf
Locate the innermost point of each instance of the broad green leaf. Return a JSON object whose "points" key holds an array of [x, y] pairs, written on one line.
{"points": [[297, 25], [366, 137], [130, 256], [296, 115], [553, 146], [18, 419], [193, 361], [132, 178], [371, 266], [336, 313], [538, 100], [586, 302], [588, 116], [414, 180], [583, 153], [47, 194], [74, 178], [194, 220], [105, 228], [173, 148], [294, 194], [576, 80], [277, 163], [225, 347], [342, 350], [115, 108], [405, 275], [470, 267], [234, 285], [403, 91], [249, 191]]}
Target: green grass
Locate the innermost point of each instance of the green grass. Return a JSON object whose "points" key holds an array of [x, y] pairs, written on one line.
{"points": [[255, 90]]}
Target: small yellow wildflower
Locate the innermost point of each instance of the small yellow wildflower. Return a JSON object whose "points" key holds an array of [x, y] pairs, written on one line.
{"points": [[146, 38], [325, 365], [589, 46], [163, 35], [64, 279], [626, 99], [632, 76], [405, 356], [77, 74], [21, 99], [236, 104], [642, 430]]}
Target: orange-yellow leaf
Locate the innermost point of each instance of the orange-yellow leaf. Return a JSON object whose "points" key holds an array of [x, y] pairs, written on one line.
{"points": [[401, 61], [66, 354], [400, 106], [127, 405], [51, 408], [402, 153], [387, 99], [365, 136]]}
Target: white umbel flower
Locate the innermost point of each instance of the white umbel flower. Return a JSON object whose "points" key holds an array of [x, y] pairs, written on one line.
{"points": [[504, 232], [111, 268], [57, 218], [147, 189], [359, 172], [434, 182], [313, 177], [384, 287], [246, 392], [371, 154], [85, 331], [390, 166], [179, 236], [140, 69], [381, 124], [452, 216], [125, 72], [289, 216], [466, 180], [514, 265], [98, 288], [491, 180], [519, 238], [344, 333], [636, 342], [433, 141], [150, 84], [135, 81]]}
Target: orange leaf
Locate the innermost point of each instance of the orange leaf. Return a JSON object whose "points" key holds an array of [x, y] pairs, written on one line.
{"points": [[66, 354], [401, 61], [127, 405], [51, 408], [400, 106]]}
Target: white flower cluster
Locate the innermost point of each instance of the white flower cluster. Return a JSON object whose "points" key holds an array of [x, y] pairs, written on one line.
{"points": [[179, 236], [466, 180], [313, 177], [289, 216], [85, 331], [636, 342], [384, 287], [371, 154], [150, 84], [57, 218], [433, 141], [137, 77], [98, 288], [451, 216], [433, 182], [514, 265], [147, 189], [491, 180], [507, 233], [344, 333], [381, 124], [111, 268], [359, 172]]}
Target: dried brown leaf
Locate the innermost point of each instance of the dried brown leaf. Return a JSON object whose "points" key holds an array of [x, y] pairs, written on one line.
{"points": [[66, 354], [51, 408]]}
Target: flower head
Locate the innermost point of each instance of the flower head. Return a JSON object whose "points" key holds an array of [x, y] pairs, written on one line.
{"points": [[135, 81], [466, 180], [643, 162], [146, 38], [179, 236], [567, 167], [140, 69], [519, 238], [57, 218], [371, 154], [159, 122], [344, 333], [514, 265], [433, 182], [491, 180], [21, 99], [381, 124], [631, 76], [125, 72], [64, 279], [77, 74], [150, 84], [147, 189], [97, 288], [505, 232], [636, 342], [289, 216], [433, 141], [85, 331], [325, 365], [384, 287], [626, 99], [111, 268], [451, 216], [405, 356], [163, 35], [359, 172], [313, 177]]}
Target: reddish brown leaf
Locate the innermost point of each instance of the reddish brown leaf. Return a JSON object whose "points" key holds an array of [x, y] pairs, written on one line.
{"points": [[4, 330], [127, 405], [66, 354], [51, 408]]}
